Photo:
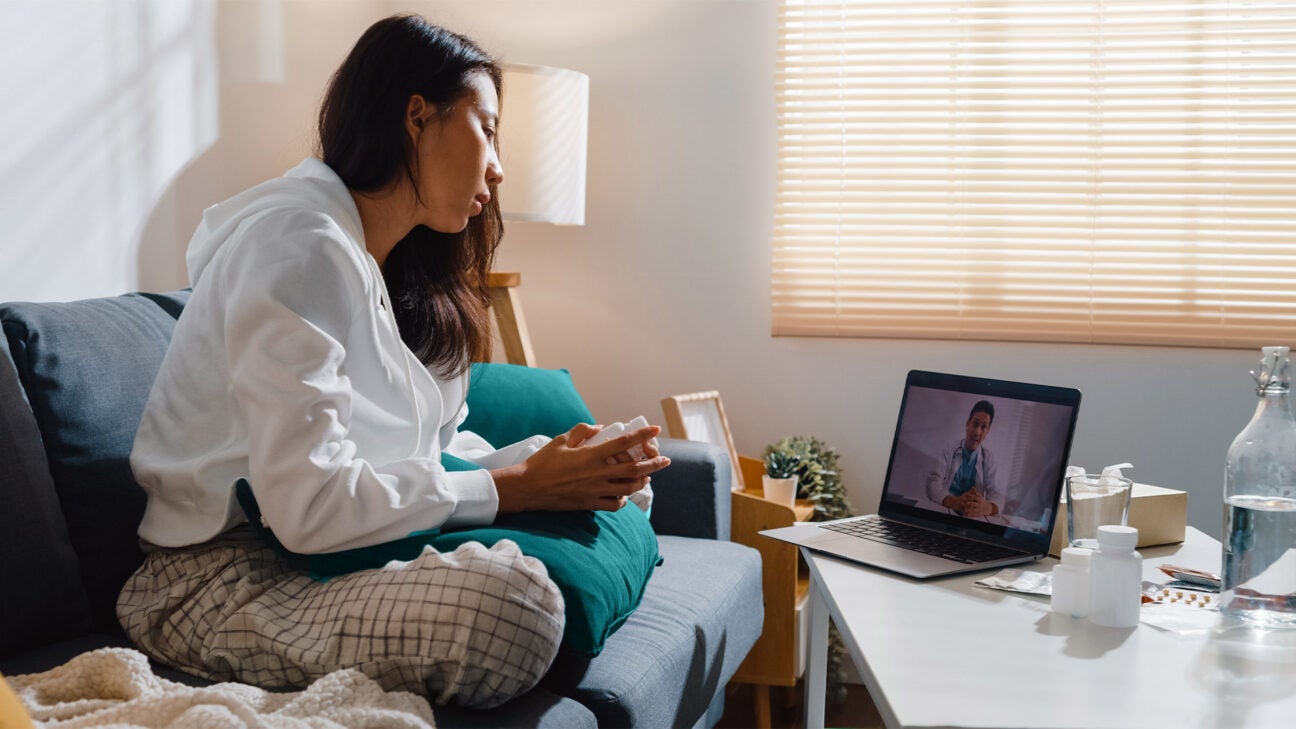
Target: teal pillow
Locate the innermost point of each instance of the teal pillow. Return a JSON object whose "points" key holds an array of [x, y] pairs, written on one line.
{"points": [[508, 403], [600, 560]]}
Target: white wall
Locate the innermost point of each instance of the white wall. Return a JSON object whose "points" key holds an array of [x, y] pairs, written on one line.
{"points": [[665, 290], [103, 104]]}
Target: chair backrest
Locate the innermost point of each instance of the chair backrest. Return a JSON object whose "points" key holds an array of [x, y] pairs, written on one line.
{"points": [[81, 373]]}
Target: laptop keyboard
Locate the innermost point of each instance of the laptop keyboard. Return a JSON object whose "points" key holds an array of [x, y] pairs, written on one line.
{"points": [[922, 540]]}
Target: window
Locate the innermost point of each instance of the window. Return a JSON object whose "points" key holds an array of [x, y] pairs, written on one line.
{"points": [[1119, 172]]}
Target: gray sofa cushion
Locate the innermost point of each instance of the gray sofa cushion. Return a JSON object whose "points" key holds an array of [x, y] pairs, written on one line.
{"points": [[691, 498], [702, 612], [42, 599], [535, 708], [87, 368]]}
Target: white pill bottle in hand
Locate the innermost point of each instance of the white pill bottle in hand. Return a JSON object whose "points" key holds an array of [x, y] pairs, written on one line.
{"points": [[1116, 578]]}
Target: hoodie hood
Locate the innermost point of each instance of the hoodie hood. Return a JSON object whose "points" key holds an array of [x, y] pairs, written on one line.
{"points": [[311, 184]]}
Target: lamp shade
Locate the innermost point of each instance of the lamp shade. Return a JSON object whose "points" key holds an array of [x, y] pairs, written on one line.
{"points": [[543, 126]]}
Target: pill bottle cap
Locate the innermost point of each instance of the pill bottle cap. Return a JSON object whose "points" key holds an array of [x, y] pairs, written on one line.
{"points": [[1117, 537], [1077, 556]]}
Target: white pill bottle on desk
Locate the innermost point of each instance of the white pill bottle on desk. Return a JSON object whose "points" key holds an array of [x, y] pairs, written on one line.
{"points": [[1071, 583], [1116, 578]]}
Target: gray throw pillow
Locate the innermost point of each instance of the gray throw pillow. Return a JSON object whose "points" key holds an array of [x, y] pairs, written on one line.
{"points": [[86, 368]]}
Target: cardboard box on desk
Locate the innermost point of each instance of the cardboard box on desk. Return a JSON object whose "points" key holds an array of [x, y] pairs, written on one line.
{"points": [[1160, 515]]}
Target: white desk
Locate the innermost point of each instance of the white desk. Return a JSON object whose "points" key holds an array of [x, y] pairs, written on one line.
{"points": [[946, 652]]}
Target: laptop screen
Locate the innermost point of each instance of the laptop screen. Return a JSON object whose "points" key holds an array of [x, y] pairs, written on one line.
{"points": [[980, 456]]}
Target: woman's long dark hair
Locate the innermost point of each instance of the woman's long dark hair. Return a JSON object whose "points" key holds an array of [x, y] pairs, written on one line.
{"points": [[436, 281]]}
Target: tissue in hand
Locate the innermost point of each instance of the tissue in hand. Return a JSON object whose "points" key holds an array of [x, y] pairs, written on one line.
{"points": [[617, 429], [643, 497]]}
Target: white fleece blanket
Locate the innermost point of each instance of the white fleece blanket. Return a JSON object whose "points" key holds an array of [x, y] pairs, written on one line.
{"points": [[114, 687]]}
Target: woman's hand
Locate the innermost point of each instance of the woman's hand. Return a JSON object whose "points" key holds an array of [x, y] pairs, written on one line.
{"points": [[568, 476]]}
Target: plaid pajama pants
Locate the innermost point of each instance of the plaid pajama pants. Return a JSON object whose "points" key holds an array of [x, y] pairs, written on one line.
{"points": [[476, 625]]}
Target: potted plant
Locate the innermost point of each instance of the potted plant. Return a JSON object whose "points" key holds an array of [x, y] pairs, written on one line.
{"points": [[780, 479], [815, 466]]}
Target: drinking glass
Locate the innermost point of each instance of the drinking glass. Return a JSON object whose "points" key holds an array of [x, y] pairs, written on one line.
{"points": [[1092, 501]]}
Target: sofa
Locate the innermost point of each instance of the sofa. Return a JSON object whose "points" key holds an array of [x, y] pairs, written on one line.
{"points": [[74, 378]]}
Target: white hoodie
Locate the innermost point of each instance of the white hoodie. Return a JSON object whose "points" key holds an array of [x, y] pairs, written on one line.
{"points": [[286, 368]]}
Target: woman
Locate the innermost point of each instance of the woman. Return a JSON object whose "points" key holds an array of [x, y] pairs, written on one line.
{"points": [[323, 356]]}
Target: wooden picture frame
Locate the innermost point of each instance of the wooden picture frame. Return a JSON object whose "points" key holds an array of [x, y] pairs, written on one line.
{"points": [[700, 416]]}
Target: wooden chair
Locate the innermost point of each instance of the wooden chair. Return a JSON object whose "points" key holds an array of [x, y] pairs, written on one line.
{"points": [[507, 305]]}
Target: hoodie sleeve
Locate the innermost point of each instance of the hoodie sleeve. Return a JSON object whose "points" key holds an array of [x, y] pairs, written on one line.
{"points": [[286, 322], [472, 447]]}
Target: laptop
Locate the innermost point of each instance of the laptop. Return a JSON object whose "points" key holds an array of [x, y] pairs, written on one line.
{"points": [[973, 481]]}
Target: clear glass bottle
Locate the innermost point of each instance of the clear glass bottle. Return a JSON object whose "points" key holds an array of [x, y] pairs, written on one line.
{"points": [[1259, 580]]}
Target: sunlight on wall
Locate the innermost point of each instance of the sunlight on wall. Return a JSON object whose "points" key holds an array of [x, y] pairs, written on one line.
{"points": [[104, 104]]}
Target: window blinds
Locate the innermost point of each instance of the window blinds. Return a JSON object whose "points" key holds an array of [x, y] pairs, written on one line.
{"points": [[1040, 170]]}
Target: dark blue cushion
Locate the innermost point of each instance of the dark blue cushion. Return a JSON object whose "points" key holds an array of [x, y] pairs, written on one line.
{"points": [[42, 599], [87, 368], [691, 498]]}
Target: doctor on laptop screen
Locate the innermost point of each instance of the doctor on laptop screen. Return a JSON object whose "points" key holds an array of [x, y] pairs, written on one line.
{"points": [[965, 483], [977, 457]]}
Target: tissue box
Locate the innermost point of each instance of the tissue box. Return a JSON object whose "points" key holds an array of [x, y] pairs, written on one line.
{"points": [[1159, 514]]}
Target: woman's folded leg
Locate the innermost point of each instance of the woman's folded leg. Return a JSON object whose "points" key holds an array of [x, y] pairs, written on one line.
{"points": [[476, 625]]}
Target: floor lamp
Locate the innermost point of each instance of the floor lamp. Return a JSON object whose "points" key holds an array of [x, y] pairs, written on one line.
{"points": [[542, 136]]}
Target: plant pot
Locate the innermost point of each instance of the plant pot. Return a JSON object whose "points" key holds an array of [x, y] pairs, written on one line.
{"points": [[780, 490]]}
